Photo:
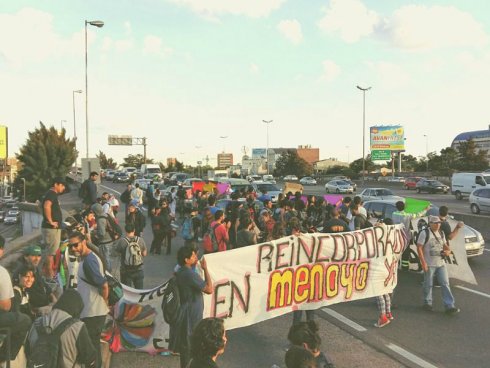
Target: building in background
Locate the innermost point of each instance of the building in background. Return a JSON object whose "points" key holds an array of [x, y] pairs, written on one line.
{"points": [[309, 154], [171, 161], [323, 165], [480, 137], [225, 160]]}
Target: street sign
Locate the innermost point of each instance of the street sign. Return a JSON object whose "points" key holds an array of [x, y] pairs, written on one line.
{"points": [[120, 140], [380, 155]]}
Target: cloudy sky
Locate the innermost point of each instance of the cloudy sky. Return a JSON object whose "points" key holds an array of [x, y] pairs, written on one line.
{"points": [[184, 73]]}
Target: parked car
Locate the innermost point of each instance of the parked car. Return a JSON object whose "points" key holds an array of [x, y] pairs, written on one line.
{"points": [[11, 219], [379, 193], [411, 181], [290, 178], [120, 177], [272, 189], [480, 200], [307, 180], [338, 186], [431, 186], [380, 209]]}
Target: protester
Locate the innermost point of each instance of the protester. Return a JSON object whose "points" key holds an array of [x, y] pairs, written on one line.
{"points": [[94, 290], [75, 345], [126, 197], [135, 217], [299, 357], [132, 249], [158, 228], [89, 190], [305, 334], [246, 235], [22, 280], [220, 229], [445, 227], [191, 286], [432, 247], [335, 224], [167, 227], [208, 341], [101, 237], [136, 195], [51, 224]]}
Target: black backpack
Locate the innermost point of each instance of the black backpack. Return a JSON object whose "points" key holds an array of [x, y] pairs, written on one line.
{"points": [[83, 191], [422, 227], [171, 301], [46, 351]]}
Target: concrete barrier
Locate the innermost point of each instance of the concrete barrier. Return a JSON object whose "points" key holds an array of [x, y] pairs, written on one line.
{"points": [[478, 222]]}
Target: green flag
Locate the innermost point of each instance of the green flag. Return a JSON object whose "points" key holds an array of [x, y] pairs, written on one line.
{"points": [[416, 206]]}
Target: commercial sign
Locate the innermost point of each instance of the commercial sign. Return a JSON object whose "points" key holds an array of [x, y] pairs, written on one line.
{"points": [[3, 142], [259, 153], [387, 137], [380, 155]]}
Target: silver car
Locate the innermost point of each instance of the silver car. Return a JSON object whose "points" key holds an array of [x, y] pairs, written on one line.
{"points": [[480, 200], [369, 194], [338, 186], [271, 189]]}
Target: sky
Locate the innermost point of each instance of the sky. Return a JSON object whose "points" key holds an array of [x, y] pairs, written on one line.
{"points": [[185, 73]]}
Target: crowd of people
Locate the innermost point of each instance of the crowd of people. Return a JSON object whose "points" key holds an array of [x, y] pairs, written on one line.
{"points": [[69, 289]]}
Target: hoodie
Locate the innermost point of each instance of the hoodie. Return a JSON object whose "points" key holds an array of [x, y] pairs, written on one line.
{"points": [[101, 234]]}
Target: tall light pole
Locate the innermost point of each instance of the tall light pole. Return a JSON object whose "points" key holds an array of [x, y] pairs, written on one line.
{"points": [[363, 132], [267, 122], [62, 121], [427, 151], [75, 126], [98, 24]]}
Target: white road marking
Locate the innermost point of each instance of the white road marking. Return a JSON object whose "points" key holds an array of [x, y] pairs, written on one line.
{"points": [[473, 291], [345, 320], [413, 358], [486, 250]]}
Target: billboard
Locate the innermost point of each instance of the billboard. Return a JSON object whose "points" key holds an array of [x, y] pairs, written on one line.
{"points": [[259, 153], [387, 137], [120, 140], [3, 142]]}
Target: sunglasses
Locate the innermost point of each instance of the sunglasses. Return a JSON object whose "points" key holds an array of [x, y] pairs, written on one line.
{"points": [[73, 245]]}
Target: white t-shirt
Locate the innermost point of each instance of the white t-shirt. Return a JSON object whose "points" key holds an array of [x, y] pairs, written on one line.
{"points": [[6, 290]]}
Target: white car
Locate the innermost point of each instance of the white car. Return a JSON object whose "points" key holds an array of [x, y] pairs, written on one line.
{"points": [[308, 180], [269, 179], [290, 178], [338, 186], [370, 194], [270, 188], [252, 178], [11, 219]]}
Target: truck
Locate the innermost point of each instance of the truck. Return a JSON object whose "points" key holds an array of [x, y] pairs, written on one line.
{"points": [[217, 174], [151, 171], [462, 184]]}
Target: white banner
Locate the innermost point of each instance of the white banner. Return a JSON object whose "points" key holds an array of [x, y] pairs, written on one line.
{"points": [[263, 281]]}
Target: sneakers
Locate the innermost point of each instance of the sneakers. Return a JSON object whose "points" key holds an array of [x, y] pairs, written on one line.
{"points": [[453, 310], [382, 321], [427, 307], [389, 316]]}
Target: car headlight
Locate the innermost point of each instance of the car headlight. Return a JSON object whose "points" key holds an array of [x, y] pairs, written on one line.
{"points": [[480, 238]]}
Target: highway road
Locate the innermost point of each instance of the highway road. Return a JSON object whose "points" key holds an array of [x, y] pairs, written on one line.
{"points": [[415, 338]]}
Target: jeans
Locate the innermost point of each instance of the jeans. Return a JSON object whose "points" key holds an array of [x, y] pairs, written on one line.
{"points": [[133, 278], [95, 325], [442, 277], [310, 316]]}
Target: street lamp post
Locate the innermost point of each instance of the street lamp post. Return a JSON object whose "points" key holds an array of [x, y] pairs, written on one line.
{"points": [[75, 126], [62, 124], [427, 151], [363, 132], [98, 24], [267, 122]]}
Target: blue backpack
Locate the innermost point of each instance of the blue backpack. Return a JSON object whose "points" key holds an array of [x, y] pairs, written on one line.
{"points": [[187, 229]]}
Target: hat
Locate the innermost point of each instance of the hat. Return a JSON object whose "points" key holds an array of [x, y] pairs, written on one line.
{"points": [[59, 180], [434, 220], [32, 250], [134, 203]]}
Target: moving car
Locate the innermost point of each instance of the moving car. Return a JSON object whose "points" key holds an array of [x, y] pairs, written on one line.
{"points": [[431, 186], [380, 209], [462, 184], [109, 174], [272, 189], [411, 181], [480, 200], [11, 219], [338, 186], [252, 178], [308, 180], [14, 211], [269, 178], [379, 193], [120, 177], [290, 178]]}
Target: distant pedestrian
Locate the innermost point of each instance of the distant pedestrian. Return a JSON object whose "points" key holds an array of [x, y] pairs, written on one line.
{"points": [[136, 195], [51, 224], [158, 228], [208, 342], [89, 190], [135, 217], [126, 197], [132, 250]]}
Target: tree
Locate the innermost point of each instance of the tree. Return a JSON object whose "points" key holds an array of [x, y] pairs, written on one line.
{"points": [[470, 159], [356, 165], [106, 163], [289, 163], [136, 161], [46, 154]]}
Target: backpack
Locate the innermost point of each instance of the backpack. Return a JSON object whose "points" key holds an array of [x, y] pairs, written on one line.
{"points": [[422, 227], [46, 351], [125, 196], [171, 301], [133, 257], [209, 240], [112, 227], [187, 229], [83, 191]]}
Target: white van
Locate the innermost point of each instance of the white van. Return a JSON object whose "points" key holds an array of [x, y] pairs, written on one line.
{"points": [[150, 171], [462, 184]]}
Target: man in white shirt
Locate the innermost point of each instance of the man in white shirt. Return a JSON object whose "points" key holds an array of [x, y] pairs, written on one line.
{"points": [[18, 323]]}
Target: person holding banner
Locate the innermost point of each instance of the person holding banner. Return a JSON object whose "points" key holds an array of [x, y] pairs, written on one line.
{"points": [[191, 286], [432, 248]]}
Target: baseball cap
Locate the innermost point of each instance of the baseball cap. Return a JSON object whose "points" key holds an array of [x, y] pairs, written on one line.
{"points": [[32, 250], [434, 220], [59, 180]]}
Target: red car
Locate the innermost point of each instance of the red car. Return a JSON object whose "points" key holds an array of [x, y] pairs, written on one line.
{"points": [[411, 182]]}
